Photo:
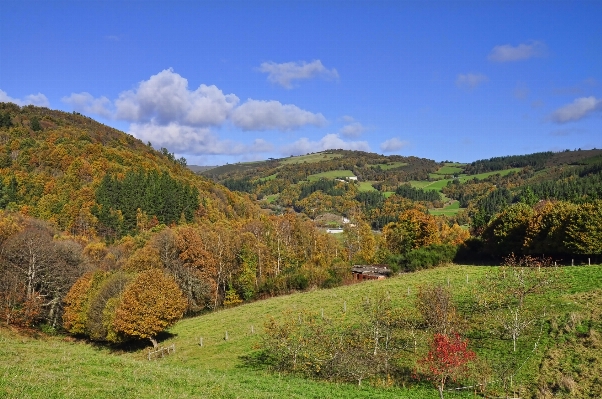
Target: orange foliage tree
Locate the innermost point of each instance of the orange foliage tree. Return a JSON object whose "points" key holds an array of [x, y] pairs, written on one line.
{"points": [[150, 304]]}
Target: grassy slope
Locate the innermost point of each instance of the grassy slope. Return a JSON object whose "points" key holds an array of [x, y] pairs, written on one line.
{"points": [[57, 368], [331, 174], [309, 158]]}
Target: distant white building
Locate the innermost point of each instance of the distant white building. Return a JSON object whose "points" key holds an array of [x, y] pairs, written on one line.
{"points": [[352, 178]]}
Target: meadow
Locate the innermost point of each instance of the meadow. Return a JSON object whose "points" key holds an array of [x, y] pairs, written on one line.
{"points": [[331, 174], [42, 366], [309, 158]]}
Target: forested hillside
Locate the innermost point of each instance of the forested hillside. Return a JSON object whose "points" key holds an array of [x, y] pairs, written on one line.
{"points": [[88, 214]]}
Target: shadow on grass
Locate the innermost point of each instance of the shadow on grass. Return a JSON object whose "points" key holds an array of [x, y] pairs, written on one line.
{"points": [[130, 346], [256, 360]]}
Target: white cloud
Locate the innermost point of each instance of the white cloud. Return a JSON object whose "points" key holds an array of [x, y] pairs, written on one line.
{"points": [[193, 140], [266, 115], [33, 99], [507, 52], [354, 129], [348, 119], [521, 91], [86, 103], [566, 132], [284, 74], [165, 98], [578, 109], [393, 144], [328, 142], [470, 80]]}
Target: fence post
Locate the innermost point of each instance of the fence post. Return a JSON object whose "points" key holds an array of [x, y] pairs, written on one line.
{"points": [[201, 341], [345, 307], [226, 337]]}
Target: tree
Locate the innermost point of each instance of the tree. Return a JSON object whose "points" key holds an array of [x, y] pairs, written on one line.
{"points": [[447, 359], [415, 229], [506, 233], [150, 304], [45, 268], [437, 308]]}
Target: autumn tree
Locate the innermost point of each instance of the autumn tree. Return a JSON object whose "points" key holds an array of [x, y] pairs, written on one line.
{"points": [[43, 267], [151, 303], [414, 229], [506, 233], [446, 360], [437, 308]]}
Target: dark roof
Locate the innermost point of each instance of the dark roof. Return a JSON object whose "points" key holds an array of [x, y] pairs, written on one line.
{"points": [[381, 270]]}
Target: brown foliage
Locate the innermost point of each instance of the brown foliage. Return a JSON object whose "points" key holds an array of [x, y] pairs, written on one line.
{"points": [[150, 304]]}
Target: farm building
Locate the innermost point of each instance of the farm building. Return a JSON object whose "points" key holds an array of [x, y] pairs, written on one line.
{"points": [[370, 272]]}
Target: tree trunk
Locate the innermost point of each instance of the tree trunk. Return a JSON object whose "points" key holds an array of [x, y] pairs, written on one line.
{"points": [[440, 388]]}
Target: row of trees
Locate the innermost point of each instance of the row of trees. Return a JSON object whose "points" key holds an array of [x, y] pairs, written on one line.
{"points": [[549, 227]]}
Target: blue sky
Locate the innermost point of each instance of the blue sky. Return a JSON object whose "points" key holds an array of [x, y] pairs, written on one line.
{"points": [[229, 81]]}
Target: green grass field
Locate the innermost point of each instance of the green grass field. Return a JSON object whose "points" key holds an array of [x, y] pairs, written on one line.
{"points": [[59, 367], [439, 184], [449, 170], [268, 178], [448, 210], [309, 158], [366, 186], [271, 198], [331, 174], [391, 165]]}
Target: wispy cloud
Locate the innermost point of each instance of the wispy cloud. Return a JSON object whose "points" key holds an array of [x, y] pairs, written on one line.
{"points": [[523, 51], [86, 103], [470, 80], [393, 144], [267, 115], [328, 142], [33, 99], [566, 132], [577, 110], [353, 129], [521, 91], [284, 74], [194, 140]]}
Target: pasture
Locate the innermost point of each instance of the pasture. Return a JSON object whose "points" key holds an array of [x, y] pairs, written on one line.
{"points": [[40, 366], [309, 158], [331, 174]]}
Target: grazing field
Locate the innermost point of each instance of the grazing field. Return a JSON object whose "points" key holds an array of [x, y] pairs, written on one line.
{"points": [[366, 186], [309, 158], [331, 174], [391, 165], [271, 198], [59, 367], [448, 210], [449, 170], [430, 185], [439, 184], [268, 178]]}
